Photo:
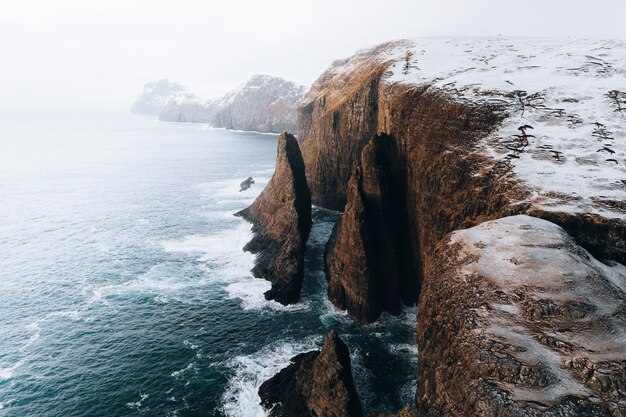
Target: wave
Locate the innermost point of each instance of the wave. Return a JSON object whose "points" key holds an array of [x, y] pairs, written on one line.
{"points": [[241, 397], [8, 372]]}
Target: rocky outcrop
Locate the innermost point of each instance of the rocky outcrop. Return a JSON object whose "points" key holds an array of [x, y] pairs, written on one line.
{"points": [[481, 129], [366, 258], [245, 184], [459, 150], [155, 95], [263, 104], [516, 319], [281, 218], [185, 107], [315, 384]]}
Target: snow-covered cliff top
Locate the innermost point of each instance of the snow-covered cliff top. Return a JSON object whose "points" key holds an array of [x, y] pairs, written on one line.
{"points": [[565, 134]]}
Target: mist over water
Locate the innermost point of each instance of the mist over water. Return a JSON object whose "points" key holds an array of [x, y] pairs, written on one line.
{"points": [[123, 286]]}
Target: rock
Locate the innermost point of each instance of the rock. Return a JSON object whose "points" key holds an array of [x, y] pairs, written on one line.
{"points": [[155, 95], [315, 384], [480, 129], [365, 256], [281, 218], [517, 319], [263, 104], [185, 107], [245, 184]]}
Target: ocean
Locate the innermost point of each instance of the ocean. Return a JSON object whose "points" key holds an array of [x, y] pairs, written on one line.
{"points": [[124, 289]]}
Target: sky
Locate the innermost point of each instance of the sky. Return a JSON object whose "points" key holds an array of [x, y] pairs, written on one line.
{"points": [[97, 54]]}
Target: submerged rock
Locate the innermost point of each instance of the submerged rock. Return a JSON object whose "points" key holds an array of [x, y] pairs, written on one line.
{"points": [[517, 319], [245, 184], [281, 218], [315, 384]]}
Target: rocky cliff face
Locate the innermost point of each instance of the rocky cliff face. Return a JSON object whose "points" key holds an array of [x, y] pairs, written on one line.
{"points": [[263, 104], [366, 262], [467, 139], [185, 107], [517, 319], [315, 384], [479, 129], [281, 218], [155, 95]]}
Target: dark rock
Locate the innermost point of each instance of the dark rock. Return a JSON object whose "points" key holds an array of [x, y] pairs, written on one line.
{"points": [[366, 257], [281, 218], [245, 184], [315, 384]]}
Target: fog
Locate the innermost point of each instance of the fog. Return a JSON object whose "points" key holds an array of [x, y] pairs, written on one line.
{"points": [[81, 54]]}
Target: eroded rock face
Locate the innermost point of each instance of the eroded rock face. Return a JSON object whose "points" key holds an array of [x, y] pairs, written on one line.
{"points": [[263, 104], [315, 384], [517, 319], [482, 130], [281, 218], [365, 260]]}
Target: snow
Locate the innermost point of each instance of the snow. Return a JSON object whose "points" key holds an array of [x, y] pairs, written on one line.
{"points": [[571, 92], [531, 256]]}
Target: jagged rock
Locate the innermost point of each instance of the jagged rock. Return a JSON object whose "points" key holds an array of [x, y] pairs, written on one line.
{"points": [[364, 259], [315, 384], [263, 104], [517, 319], [245, 184], [155, 95], [281, 218], [482, 129], [185, 107]]}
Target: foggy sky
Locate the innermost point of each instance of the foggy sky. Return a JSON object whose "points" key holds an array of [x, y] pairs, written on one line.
{"points": [[82, 54]]}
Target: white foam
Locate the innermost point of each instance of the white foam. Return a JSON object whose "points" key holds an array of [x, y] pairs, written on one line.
{"points": [[137, 404], [7, 373], [251, 293], [191, 366], [241, 398]]}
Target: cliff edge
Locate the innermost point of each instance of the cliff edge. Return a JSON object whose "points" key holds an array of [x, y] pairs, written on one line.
{"points": [[281, 218]]}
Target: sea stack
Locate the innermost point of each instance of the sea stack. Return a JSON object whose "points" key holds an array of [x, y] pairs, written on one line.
{"points": [[281, 218], [365, 259], [315, 384]]}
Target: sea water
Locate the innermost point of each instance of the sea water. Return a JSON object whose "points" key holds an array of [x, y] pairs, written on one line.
{"points": [[124, 289]]}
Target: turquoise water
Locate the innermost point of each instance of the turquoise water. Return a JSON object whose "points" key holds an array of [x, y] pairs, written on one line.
{"points": [[123, 287]]}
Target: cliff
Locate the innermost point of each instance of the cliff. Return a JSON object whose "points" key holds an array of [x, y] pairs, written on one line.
{"points": [[537, 324], [482, 128], [315, 384], [415, 139], [155, 95], [281, 217], [263, 104]]}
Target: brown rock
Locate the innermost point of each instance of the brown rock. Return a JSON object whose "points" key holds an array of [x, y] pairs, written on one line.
{"points": [[516, 319], [365, 258], [315, 384], [281, 218]]}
